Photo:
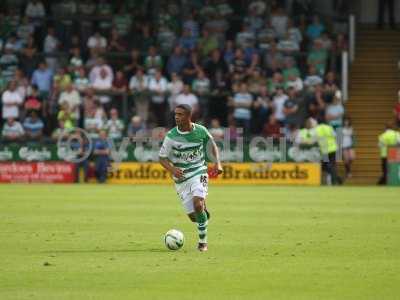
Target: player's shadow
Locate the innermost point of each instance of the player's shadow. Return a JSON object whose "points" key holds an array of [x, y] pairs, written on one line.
{"points": [[104, 251]]}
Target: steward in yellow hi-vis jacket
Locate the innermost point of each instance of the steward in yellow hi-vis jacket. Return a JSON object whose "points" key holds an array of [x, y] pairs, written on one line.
{"points": [[388, 138]]}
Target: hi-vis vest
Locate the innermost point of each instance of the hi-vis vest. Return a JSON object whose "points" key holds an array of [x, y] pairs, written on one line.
{"points": [[389, 138], [326, 138]]}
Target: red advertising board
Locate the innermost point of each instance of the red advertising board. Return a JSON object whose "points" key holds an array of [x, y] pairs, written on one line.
{"points": [[37, 172]]}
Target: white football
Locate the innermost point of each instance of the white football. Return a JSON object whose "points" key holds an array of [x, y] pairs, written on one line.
{"points": [[174, 239]]}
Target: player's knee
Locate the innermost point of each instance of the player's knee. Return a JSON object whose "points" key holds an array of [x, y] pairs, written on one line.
{"points": [[198, 204]]}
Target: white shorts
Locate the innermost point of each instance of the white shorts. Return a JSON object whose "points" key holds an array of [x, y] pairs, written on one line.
{"points": [[196, 186]]}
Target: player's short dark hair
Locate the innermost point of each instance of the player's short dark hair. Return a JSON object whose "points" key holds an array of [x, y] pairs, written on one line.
{"points": [[187, 108]]}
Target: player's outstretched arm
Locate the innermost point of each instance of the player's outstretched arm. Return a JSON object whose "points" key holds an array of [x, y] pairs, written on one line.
{"points": [[215, 152]]}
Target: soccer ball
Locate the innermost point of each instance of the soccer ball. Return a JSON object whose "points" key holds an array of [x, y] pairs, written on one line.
{"points": [[174, 239]]}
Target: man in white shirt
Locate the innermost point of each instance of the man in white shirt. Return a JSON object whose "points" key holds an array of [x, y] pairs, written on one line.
{"points": [[11, 100], [186, 97], [139, 86], [103, 83], [73, 98], [12, 130], [97, 43], [278, 104], [35, 9], [100, 65], [158, 86]]}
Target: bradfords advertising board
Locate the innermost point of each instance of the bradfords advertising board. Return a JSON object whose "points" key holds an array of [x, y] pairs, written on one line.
{"points": [[234, 173], [37, 172]]}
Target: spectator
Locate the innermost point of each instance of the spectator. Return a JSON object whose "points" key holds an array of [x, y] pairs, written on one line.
{"points": [[8, 63], [330, 84], [50, 47], [97, 43], [239, 64], [242, 102], [256, 81], [176, 61], [134, 64], [295, 82], [35, 11], [294, 32], [153, 61], [166, 38], [191, 25], [116, 43], [273, 57], [136, 127], [12, 101], [201, 87], [266, 36], [288, 46], [275, 82], [42, 77], [92, 124], [207, 43], [191, 68], [122, 21], [33, 127], [215, 66], [76, 60], [187, 41], [278, 105], [103, 84], [12, 131], [33, 101], [120, 84], [175, 87], [295, 109], [272, 129], [216, 130], [279, 21], [114, 125], [14, 43], [186, 97], [334, 112], [397, 111], [317, 57], [81, 81], [62, 79], [139, 84], [158, 86], [312, 79], [72, 97], [64, 116], [229, 52], [254, 20], [217, 26], [28, 58], [348, 143], [315, 29], [100, 65], [245, 37], [102, 152]]}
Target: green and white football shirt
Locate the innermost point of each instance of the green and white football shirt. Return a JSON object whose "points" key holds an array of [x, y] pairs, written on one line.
{"points": [[187, 150]]}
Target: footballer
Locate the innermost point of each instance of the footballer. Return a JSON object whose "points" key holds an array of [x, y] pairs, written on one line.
{"points": [[183, 154]]}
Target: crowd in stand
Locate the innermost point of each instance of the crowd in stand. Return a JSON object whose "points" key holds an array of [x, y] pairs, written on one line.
{"points": [[119, 66]]}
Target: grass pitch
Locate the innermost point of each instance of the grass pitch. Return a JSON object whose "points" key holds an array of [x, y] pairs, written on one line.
{"points": [[105, 242]]}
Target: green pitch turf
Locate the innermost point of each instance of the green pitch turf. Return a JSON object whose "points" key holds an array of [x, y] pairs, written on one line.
{"points": [[105, 242]]}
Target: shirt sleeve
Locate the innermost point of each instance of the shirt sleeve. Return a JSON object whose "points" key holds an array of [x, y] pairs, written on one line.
{"points": [[166, 147]]}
